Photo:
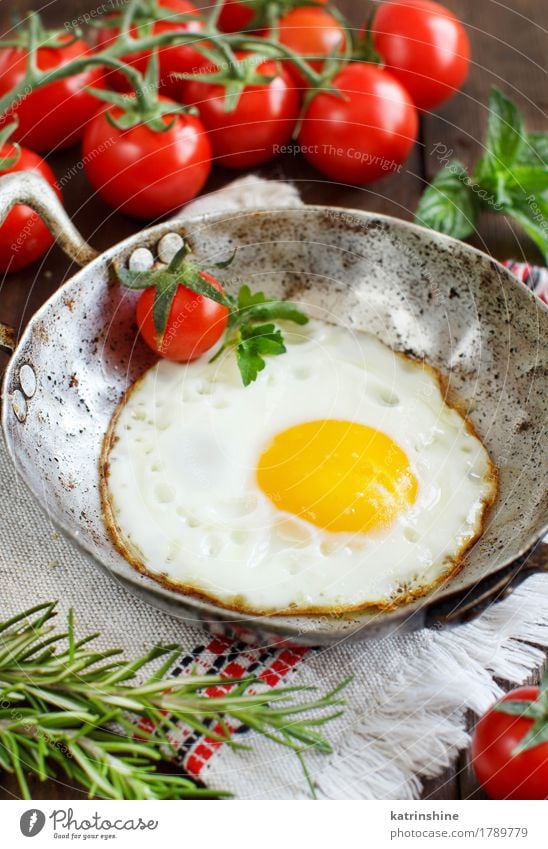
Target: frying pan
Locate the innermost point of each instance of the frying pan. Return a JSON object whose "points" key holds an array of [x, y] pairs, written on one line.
{"points": [[420, 292]]}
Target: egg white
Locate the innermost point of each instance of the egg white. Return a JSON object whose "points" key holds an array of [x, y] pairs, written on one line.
{"points": [[179, 478]]}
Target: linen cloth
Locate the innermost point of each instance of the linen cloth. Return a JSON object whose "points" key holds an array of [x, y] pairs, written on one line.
{"points": [[406, 705]]}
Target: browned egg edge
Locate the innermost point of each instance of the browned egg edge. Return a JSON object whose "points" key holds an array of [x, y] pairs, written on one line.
{"points": [[238, 604]]}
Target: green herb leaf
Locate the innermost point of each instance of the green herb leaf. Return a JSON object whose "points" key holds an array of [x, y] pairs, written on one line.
{"points": [[535, 150], [257, 342], [256, 307], [531, 211], [249, 362], [527, 179], [449, 204], [505, 130], [76, 713]]}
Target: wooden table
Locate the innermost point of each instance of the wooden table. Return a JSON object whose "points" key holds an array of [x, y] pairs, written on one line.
{"points": [[508, 50]]}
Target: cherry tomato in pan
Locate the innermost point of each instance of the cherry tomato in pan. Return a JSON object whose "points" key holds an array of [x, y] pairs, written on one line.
{"points": [[195, 323]]}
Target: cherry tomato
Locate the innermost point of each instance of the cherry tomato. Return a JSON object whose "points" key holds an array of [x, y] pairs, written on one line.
{"points": [[177, 58], [235, 16], [364, 135], [193, 326], [263, 120], [425, 47], [55, 115], [503, 774], [24, 237], [142, 172], [313, 33]]}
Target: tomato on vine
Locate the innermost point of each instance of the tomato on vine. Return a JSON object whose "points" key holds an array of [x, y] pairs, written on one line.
{"points": [[24, 237], [425, 46], [158, 16], [249, 110], [235, 16], [146, 172], [314, 34], [365, 131], [53, 117], [143, 153]]}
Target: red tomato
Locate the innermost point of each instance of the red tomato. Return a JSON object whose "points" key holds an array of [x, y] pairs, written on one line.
{"points": [[55, 115], [263, 120], [178, 58], [503, 774], [24, 237], [425, 46], [312, 33], [146, 173], [235, 16], [193, 326], [364, 135]]}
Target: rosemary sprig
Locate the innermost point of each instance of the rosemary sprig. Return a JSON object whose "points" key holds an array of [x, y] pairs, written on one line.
{"points": [[67, 707]]}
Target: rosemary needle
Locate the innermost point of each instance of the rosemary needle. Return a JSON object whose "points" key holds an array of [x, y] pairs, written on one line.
{"points": [[66, 707]]}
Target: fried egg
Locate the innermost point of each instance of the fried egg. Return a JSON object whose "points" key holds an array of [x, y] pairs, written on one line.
{"points": [[340, 479]]}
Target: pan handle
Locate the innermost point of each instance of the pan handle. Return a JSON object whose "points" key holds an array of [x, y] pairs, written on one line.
{"points": [[463, 606], [29, 188]]}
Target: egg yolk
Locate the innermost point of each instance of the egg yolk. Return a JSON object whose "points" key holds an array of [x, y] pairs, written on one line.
{"points": [[338, 475]]}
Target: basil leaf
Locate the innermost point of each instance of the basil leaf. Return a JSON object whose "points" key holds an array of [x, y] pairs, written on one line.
{"points": [[527, 178], [449, 204], [531, 211], [505, 130], [535, 150]]}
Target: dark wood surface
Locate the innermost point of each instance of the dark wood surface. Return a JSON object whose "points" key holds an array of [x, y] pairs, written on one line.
{"points": [[508, 49]]}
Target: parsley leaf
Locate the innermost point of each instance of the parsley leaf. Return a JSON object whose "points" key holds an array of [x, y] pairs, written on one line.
{"points": [[256, 307], [256, 343], [252, 339]]}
